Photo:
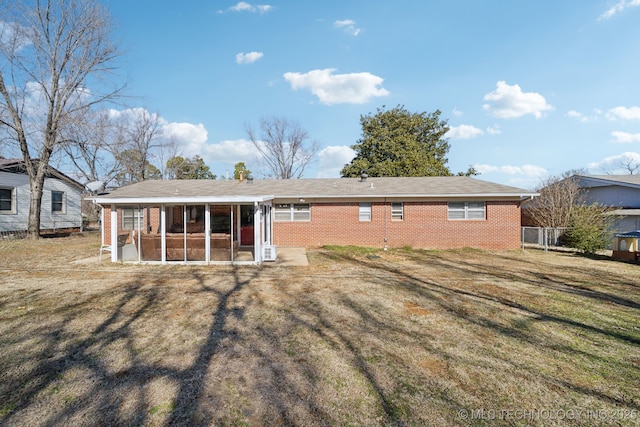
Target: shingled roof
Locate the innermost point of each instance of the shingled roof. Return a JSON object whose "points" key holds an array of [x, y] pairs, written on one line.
{"points": [[623, 180], [419, 187], [18, 166]]}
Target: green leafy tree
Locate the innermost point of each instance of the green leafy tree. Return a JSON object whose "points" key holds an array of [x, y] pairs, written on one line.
{"points": [[133, 168], [238, 168], [179, 167], [397, 142], [589, 228]]}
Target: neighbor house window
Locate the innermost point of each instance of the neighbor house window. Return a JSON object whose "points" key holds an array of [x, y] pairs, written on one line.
{"points": [[298, 212], [7, 200], [57, 202], [130, 218], [397, 211], [467, 210], [364, 212]]}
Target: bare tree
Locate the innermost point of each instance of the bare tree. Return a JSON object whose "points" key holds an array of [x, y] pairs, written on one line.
{"points": [[87, 145], [51, 51], [168, 150], [559, 196], [139, 135], [283, 146], [628, 163]]}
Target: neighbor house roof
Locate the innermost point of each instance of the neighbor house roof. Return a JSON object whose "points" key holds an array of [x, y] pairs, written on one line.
{"points": [[419, 187], [603, 180], [17, 166]]}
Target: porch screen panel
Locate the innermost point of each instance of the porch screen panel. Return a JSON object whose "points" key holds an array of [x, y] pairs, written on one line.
{"points": [[176, 233], [195, 233], [221, 233]]}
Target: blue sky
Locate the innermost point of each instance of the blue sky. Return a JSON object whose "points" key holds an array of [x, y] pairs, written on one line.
{"points": [[529, 88]]}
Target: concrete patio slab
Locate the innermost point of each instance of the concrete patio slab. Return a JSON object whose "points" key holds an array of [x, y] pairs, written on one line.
{"points": [[291, 257]]}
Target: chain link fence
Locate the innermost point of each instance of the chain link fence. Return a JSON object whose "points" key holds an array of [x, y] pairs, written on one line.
{"points": [[543, 237]]}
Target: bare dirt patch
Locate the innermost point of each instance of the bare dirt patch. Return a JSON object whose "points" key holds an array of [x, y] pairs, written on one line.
{"points": [[359, 337]]}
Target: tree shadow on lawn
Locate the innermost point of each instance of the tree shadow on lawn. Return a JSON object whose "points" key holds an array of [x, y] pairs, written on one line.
{"points": [[452, 297], [59, 352], [293, 366], [117, 392]]}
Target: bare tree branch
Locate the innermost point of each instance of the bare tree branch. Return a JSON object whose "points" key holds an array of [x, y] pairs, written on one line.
{"points": [[283, 146], [57, 49], [559, 196]]}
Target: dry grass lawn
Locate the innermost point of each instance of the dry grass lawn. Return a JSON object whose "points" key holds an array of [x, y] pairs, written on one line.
{"points": [[360, 337]]}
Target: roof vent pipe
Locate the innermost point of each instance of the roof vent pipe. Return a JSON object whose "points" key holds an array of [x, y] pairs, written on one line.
{"points": [[363, 176]]}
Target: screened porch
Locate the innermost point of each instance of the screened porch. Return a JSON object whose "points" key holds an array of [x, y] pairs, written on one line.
{"points": [[192, 232]]}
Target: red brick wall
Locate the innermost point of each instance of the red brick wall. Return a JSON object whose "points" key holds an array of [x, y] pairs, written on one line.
{"points": [[106, 224], [153, 217], [425, 225]]}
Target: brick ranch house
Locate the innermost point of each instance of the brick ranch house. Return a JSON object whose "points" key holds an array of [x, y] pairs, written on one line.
{"points": [[206, 221]]}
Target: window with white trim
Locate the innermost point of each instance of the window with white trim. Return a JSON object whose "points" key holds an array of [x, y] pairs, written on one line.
{"points": [[364, 211], [293, 212], [7, 200], [397, 211], [58, 202], [130, 217], [467, 210]]}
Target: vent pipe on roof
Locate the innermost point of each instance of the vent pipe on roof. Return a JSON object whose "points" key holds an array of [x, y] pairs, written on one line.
{"points": [[363, 176]]}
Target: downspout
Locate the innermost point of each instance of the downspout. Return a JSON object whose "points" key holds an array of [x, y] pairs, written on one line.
{"points": [[386, 240]]}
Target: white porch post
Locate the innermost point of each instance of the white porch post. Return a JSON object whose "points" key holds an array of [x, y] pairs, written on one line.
{"points": [[163, 233], [257, 232], [207, 232], [114, 233]]}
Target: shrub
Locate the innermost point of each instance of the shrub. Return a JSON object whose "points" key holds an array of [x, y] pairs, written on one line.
{"points": [[589, 228]]}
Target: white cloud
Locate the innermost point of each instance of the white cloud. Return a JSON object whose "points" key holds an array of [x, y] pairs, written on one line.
{"points": [[353, 88], [457, 112], [494, 130], [624, 113], [619, 7], [625, 137], [524, 176], [248, 7], [463, 132], [191, 136], [615, 164], [531, 171], [508, 102], [348, 26], [248, 58], [584, 118], [332, 160], [232, 151], [13, 36]]}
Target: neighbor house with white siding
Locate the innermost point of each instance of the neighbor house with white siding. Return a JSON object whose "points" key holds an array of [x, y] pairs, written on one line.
{"points": [[616, 191], [61, 199]]}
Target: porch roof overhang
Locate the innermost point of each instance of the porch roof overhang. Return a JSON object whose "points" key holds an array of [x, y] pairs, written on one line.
{"points": [[178, 200]]}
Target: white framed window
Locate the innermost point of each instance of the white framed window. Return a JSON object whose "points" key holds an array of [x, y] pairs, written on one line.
{"points": [[364, 211], [7, 200], [296, 212], [397, 211], [467, 210], [58, 200], [130, 217]]}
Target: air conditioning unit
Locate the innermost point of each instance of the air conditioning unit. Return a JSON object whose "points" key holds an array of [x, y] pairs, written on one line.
{"points": [[269, 253]]}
